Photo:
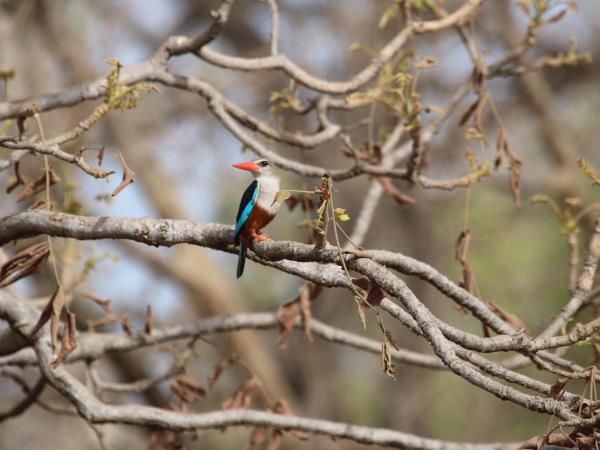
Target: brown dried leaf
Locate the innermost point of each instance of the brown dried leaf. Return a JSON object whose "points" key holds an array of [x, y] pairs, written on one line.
{"points": [[69, 340], [51, 312], [361, 307], [183, 394], [276, 440], [258, 436], [291, 203], [469, 112], [148, 321], [187, 389], [515, 164], [375, 295], [243, 396], [128, 176], [286, 316], [38, 185], [461, 251], [126, 324], [364, 283], [23, 264], [57, 307], [288, 313], [557, 388], [387, 364], [46, 313], [101, 153], [478, 119], [191, 385], [214, 374]]}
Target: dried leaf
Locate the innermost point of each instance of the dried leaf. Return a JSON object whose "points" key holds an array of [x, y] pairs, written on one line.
{"points": [[214, 374], [515, 164], [286, 316], [375, 295], [148, 321], [101, 153], [69, 340], [291, 202], [288, 313], [191, 385], [258, 436], [461, 250], [184, 395], [364, 283], [23, 264], [243, 396], [51, 312], [387, 364], [187, 389], [276, 440], [469, 112], [126, 325], [305, 313], [38, 185], [128, 176], [558, 388]]}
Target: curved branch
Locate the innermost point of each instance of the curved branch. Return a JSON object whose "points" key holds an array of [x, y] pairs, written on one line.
{"points": [[283, 63]]}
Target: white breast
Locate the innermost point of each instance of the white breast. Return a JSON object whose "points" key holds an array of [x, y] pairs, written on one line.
{"points": [[268, 187]]}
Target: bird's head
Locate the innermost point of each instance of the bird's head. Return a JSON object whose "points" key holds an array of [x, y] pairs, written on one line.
{"points": [[257, 167]]}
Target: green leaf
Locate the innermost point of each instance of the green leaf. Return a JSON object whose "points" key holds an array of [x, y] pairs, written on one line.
{"points": [[343, 217]]}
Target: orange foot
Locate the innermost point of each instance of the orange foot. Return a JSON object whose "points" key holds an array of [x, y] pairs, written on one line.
{"points": [[260, 236]]}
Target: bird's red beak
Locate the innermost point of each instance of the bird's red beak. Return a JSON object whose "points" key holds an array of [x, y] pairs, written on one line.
{"points": [[250, 166]]}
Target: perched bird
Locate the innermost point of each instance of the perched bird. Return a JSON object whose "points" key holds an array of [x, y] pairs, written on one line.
{"points": [[258, 207]]}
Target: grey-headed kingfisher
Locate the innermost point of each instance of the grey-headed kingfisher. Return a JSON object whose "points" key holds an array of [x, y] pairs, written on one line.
{"points": [[258, 207]]}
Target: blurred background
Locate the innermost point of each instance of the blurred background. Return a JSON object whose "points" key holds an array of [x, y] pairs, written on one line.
{"points": [[182, 157]]}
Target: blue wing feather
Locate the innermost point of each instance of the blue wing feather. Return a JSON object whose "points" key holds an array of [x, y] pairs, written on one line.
{"points": [[246, 205]]}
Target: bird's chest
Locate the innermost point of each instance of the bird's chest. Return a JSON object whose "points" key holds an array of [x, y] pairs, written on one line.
{"points": [[267, 197]]}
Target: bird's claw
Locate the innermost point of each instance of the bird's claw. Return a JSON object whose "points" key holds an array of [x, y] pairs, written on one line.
{"points": [[260, 236]]}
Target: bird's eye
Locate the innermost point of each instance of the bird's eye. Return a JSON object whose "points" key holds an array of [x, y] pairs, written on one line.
{"points": [[264, 163]]}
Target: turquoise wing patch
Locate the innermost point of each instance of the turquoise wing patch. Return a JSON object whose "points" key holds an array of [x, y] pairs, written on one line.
{"points": [[246, 206]]}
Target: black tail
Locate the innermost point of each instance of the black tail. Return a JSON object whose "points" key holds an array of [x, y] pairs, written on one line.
{"points": [[241, 260]]}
